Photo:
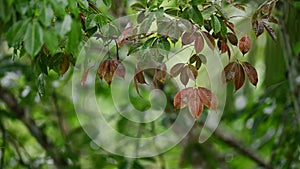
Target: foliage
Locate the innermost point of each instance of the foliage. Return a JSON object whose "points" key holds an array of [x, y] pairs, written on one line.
{"points": [[46, 37]]}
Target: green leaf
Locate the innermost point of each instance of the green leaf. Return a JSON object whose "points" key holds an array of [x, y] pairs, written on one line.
{"points": [[74, 38], [59, 7], [51, 40], [73, 7], [17, 32], [33, 40], [215, 24], [138, 6], [65, 26], [107, 3], [164, 44], [46, 16], [134, 48], [223, 27], [149, 42], [197, 16]]}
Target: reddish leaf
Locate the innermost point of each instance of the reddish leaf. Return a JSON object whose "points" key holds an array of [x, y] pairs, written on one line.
{"points": [[108, 77], [118, 68], [199, 44], [103, 68], [209, 40], [64, 65], [229, 71], [230, 25], [270, 31], [251, 72], [192, 72], [222, 45], [245, 44], [176, 69], [232, 38], [84, 76], [125, 34], [239, 77], [195, 105], [208, 98], [184, 76], [139, 75], [181, 99], [188, 38], [258, 27], [160, 73], [136, 86]]}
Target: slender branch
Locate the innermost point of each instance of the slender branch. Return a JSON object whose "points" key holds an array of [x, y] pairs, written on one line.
{"points": [[240, 147], [12, 104]]}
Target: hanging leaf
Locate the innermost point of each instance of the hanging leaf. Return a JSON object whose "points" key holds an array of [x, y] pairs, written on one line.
{"points": [[244, 44], [270, 31], [229, 71], [139, 75], [118, 68], [197, 16], [230, 25], [188, 38], [222, 45], [176, 69], [239, 77], [208, 98], [193, 59], [51, 40], [161, 73], [184, 77], [215, 24], [195, 105], [33, 40], [251, 72], [192, 72], [199, 44], [182, 98], [210, 41], [258, 28], [232, 38]]}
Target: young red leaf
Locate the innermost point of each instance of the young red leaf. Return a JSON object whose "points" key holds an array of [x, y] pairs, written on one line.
{"points": [[251, 72], [232, 38], [245, 44], [160, 73], [176, 69], [84, 76], [118, 68], [222, 45], [210, 41], [239, 77], [270, 31], [188, 38], [184, 76], [181, 98], [208, 98], [103, 68], [195, 105], [139, 75], [199, 44], [229, 71]]}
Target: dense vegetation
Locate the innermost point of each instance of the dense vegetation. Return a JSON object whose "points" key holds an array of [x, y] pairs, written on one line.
{"points": [[171, 72]]}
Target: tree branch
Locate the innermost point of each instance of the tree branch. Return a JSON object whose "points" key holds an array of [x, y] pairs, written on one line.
{"points": [[12, 104], [240, 147]]}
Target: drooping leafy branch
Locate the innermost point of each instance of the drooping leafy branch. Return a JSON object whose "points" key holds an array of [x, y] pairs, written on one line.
{"points": [[52, 33]]}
